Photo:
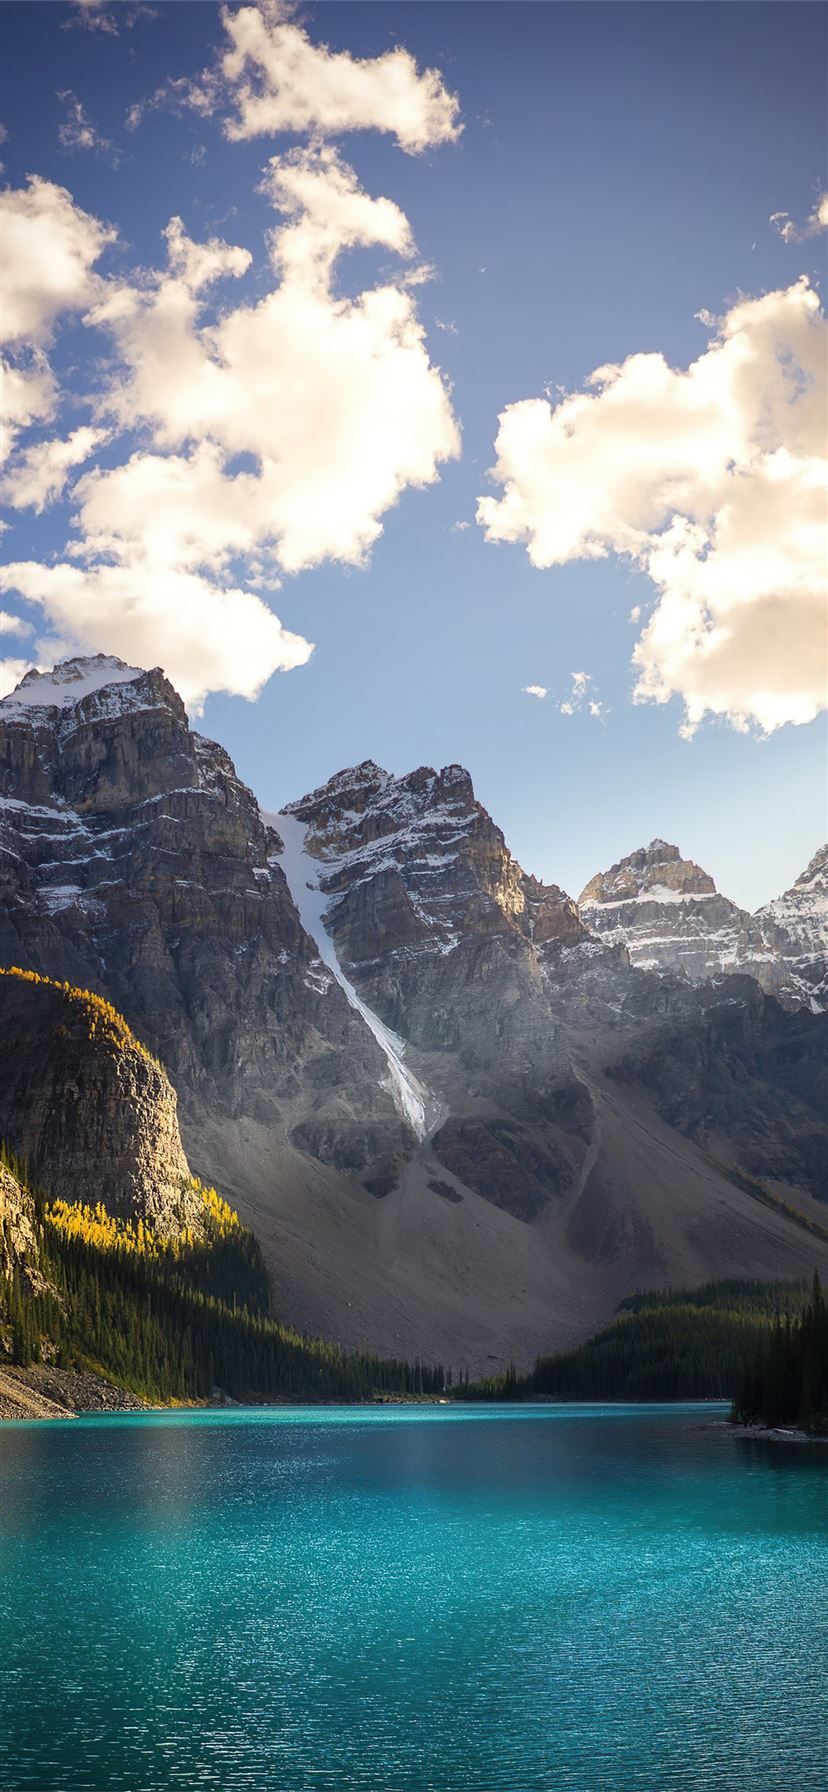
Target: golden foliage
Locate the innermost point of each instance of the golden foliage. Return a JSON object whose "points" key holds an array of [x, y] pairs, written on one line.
{"points": [[97, 1226]]}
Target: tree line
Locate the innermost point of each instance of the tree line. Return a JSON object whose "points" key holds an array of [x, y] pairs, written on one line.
{"points": [[684, 1344], [176, 1325]]}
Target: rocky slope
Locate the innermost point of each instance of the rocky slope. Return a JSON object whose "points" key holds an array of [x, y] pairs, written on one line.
{"points": [[462, 1124], [668, 914]]}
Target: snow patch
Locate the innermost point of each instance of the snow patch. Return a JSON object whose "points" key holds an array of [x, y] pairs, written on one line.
{"points": [[302, 873], [69, 682]]}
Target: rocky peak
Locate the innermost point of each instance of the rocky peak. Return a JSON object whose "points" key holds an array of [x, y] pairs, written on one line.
{"points": [[417, 862], [796, 927], [653, 873], [671, 918], [95, 734]]}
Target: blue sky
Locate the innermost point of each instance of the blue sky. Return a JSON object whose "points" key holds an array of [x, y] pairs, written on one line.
{"points": [[616, 173]]}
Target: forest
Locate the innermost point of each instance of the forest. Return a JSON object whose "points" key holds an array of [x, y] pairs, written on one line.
{"points": [[756, 1343], [785, 1381], [173, 1323]]}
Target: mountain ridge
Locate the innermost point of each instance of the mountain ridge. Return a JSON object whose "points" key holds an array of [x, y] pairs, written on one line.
{"points": [[542, 1185]]}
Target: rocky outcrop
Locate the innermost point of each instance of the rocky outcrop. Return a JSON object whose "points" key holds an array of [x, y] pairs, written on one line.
{"points": [[669, 916], [87, 1108], [796, 927]]}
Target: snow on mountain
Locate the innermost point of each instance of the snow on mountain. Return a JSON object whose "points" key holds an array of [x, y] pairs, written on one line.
{"points": [[796, 925], [302, 874], [69, 683], [668, 913]]}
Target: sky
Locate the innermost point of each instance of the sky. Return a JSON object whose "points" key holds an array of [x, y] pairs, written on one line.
{"points": [[437, 383]]}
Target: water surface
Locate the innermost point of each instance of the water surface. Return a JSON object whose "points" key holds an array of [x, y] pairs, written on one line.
{"points": [[560, 1599]]}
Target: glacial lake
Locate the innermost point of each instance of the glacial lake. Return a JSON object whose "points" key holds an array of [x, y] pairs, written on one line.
{"points": [[553, 1599]]}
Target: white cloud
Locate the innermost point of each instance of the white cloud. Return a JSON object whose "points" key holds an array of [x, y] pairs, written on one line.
{"points": [[791, 232], [582, 696], [712, 480], [13, 625], [50, 247], [77, 130], [277, 80], [29, 395], [335, 398], [333, 402], [40, 475], [207, 637], [11, 672], [535, 690]]}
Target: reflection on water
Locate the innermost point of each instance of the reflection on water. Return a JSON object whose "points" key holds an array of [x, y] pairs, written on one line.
{"points": [[411, 1600]]}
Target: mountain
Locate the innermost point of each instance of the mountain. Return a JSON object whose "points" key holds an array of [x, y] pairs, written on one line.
{"points": [[462, 1124], [668, 914], [796, 925]]}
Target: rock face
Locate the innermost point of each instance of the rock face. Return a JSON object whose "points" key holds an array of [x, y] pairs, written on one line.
{"points": [[85, 1106], [136, 864], [449, 942], [17, 1224], [461, 1121], [669, 915], [796, 927]]}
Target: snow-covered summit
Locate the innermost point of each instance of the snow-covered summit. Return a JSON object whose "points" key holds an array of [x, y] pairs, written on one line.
{"points": [[69, 682]]}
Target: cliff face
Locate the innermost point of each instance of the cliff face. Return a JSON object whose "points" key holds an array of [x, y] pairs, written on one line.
{"points": [[448, 941], [87, 1109], [137, 864], [668, 914]]}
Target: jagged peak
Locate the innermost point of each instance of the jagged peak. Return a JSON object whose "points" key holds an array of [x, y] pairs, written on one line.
{"points": [[365, 777], [653, 872]]}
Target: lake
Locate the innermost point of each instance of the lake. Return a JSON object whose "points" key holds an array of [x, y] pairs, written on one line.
{"points": [[546, 1599]]}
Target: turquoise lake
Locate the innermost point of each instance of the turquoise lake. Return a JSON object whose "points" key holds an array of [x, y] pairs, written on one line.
{"points": [[558, 1599]]}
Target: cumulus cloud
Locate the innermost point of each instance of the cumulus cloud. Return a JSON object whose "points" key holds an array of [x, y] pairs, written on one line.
{"points": [[332, 401], [335, 398], [29, 395], [13, 625], [277, 80], [712, 480], [76, 130], [39, 476], [11, 672], [791, 232], [535, 690], [50, 247], [208, 637]]}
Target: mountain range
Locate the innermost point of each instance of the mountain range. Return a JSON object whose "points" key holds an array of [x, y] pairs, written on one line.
{"points": [[463, 1114]]}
